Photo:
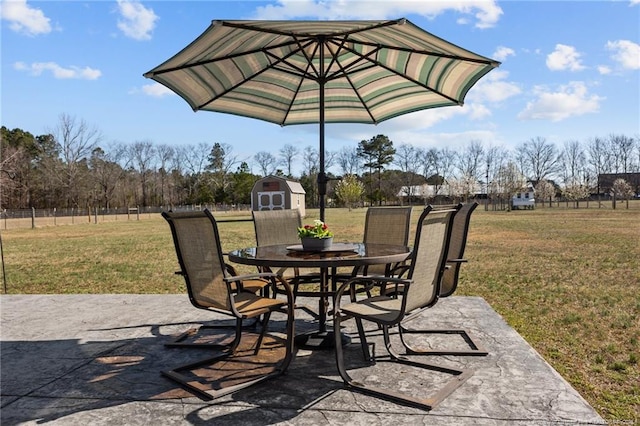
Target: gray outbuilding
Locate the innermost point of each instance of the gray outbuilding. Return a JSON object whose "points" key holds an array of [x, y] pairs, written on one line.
{"points": [[277, 193]]}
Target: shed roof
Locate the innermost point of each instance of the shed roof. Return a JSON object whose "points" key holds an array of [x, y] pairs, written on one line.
{"points": [[294, 186]]}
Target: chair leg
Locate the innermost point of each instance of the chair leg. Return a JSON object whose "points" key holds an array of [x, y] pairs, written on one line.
{"points": [[459, 376], [476, 349], [209, 393], [265, 326], [179, 341]]}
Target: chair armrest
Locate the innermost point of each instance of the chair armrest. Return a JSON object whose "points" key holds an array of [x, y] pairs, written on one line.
{"points": [[250, 276], [369, 281], [399, 270]]}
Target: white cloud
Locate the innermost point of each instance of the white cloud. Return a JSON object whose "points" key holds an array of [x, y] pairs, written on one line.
{"points": [[72, 72], [137, 22], [634, 2], [493, 88], [24, 18], [569, 100], [478, 112], [564, 58], [157, 90], [626, 53], [486, 12], [503, 53], [604, 70]]}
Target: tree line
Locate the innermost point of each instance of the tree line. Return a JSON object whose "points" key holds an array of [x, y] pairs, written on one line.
{"points": [[73, 167]]}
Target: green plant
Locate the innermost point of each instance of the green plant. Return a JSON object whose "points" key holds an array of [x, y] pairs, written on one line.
{"points": [[319, 229]]}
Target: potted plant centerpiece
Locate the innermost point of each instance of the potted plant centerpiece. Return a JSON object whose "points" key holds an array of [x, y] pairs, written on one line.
{"points": [[315, 237]]}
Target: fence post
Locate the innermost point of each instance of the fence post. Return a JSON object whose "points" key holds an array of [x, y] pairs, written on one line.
{"points": [[137, 212], [54, 217], [33, 218], [95, 215]]}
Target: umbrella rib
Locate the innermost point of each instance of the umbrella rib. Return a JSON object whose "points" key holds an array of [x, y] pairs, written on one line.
{"points": [[304, 73], [427, 52], [347, 76], [231, 56], [273, 65]]}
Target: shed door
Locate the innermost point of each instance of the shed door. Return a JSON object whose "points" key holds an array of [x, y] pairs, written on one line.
{"points": [[272, 200]]}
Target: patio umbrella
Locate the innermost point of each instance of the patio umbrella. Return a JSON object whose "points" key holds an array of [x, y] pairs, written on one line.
{"points": [[301, 72]]}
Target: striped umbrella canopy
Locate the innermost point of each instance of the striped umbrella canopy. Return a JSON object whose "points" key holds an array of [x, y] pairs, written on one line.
{"points": [[301, 72]]}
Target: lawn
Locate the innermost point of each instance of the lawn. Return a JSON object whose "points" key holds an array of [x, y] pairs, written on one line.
{"points": [[568, 280]]}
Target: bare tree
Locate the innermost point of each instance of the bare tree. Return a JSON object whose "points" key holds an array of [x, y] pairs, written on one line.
{"points": [[329, 159], [493, 160], [266, 161], [437, 166], [288, 153], [75, 140], [166, 154], [408, 160], [622, 152], [143, 157], [539, 158], [108, 172], [573, 161], [348, 160], [469, 165], [310, 160], [599, 157], [194, 161]]}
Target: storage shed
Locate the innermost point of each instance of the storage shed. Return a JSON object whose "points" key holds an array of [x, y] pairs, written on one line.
{"points": [[277, 193]]}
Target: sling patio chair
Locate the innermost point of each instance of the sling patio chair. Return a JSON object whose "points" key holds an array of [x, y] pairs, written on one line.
{"points": [[189, 337], [212, 286], [281, 227], [455, 259], [420, 290], [382, 225]]}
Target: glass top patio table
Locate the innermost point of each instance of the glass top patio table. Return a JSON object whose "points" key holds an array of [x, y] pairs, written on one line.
{"points": [[339, 255]]}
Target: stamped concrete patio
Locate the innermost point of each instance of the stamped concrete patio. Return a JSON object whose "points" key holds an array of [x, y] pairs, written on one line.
{"points": [[96, 359]]}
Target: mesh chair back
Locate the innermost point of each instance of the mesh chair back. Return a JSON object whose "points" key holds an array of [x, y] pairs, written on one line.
{"points": [[386, 225], [458, 241], [197, 243], [277, 226], [429, 258]]}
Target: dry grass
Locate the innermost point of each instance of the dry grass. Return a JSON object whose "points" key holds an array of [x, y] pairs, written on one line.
{"points": [[568, 280]]}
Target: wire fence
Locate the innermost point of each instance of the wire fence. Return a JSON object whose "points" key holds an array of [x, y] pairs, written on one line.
{"points": [[35, 218]]}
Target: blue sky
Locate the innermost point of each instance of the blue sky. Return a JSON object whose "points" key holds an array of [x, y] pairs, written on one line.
{"points": [[570, 71]]}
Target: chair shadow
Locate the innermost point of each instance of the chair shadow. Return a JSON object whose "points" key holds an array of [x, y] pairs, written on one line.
{"points": [[42, 381]]}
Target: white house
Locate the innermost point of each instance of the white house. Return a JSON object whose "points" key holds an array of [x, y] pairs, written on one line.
{"points": [[524, 200]]}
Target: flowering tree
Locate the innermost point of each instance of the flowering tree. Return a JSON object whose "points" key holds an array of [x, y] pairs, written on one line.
{"points": [[349, 191], [545, 191], [621, 190], [576, 192]]}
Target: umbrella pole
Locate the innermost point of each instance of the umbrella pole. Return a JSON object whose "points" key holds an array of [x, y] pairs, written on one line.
{"points": [[322, 177]]}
